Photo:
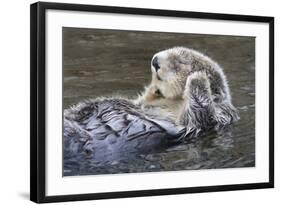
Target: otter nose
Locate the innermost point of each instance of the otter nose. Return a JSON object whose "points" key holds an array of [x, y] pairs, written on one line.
{"points": [[155, 63]]}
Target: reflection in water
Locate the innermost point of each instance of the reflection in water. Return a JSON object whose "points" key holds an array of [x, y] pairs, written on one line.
{"points": [[106, 63]]}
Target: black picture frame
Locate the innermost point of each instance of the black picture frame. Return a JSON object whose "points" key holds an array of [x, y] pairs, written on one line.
{"points": [[38, 101]]}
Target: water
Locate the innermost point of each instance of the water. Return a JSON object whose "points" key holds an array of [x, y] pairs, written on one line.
{"points": [[105, 63]]}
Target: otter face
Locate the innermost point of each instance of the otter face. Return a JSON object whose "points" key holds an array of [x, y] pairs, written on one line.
{"points": [[169, 71]]}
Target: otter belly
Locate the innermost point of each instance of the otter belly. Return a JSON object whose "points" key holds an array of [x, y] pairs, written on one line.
{"points": [[165, 108], [110, 129]]}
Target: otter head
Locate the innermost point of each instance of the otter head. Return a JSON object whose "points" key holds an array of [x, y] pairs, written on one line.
{"points": [[169, 71]]}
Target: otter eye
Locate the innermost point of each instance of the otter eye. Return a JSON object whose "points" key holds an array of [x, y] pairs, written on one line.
{"points": [[181, 60]]}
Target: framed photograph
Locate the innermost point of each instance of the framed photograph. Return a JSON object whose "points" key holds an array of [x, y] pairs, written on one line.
{"points": [[129, 102]]}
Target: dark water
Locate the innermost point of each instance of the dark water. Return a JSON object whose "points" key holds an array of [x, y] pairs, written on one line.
{"points": [[106, 63]]}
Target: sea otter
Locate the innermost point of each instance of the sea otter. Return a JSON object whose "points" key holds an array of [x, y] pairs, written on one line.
{"points": [[189, 88], [188, 95]]}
